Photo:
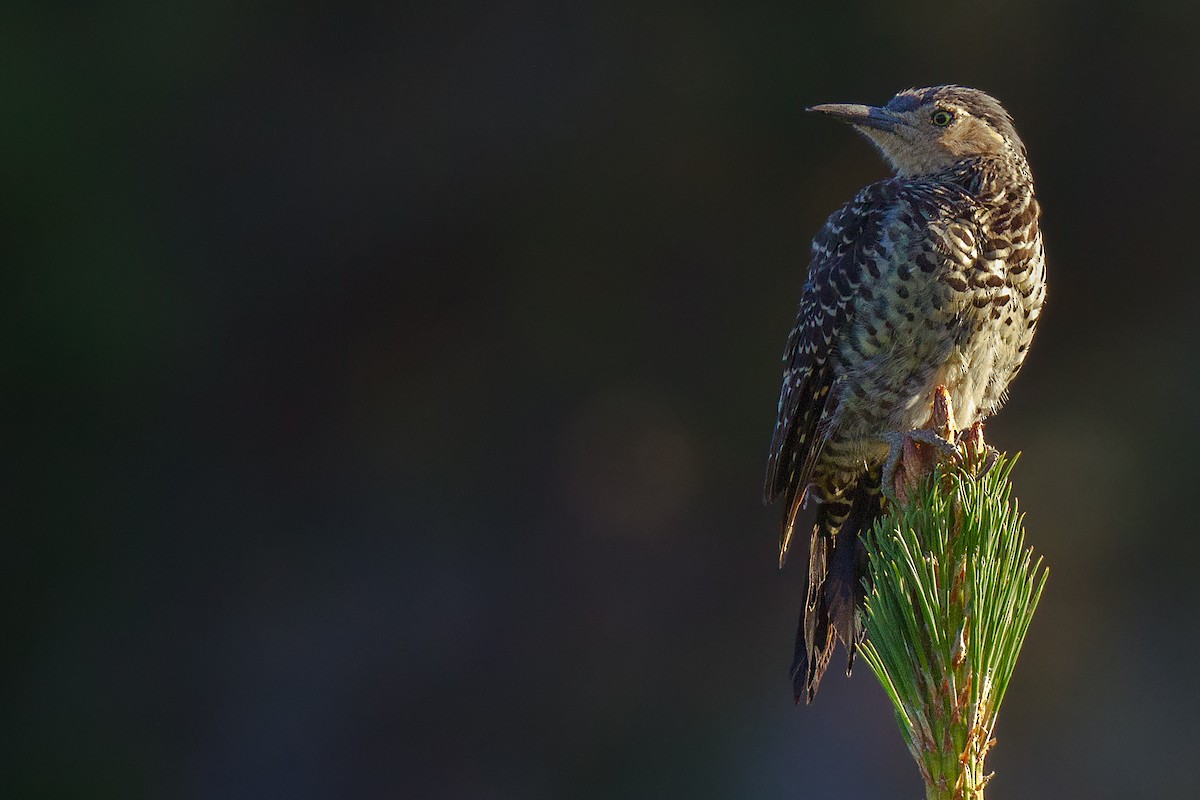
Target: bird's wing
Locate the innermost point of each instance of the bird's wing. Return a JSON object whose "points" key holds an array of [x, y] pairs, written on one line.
{"points": [[850, 249]]}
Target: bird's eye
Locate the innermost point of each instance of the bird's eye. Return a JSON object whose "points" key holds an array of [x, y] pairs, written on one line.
{"points": [[941, 118]]}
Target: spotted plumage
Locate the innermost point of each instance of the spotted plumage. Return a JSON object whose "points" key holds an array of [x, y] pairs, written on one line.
{"points": [[933, 277]]}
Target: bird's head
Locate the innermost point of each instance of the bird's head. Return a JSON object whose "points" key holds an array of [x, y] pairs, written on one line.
{"points": [[924, 131]]}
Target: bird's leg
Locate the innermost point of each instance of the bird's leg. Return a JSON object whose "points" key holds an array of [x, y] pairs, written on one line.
{"points": [[891, 465], [911, 455]]}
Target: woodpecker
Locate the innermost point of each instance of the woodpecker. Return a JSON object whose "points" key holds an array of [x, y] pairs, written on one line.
{"points": [[932, 278]]}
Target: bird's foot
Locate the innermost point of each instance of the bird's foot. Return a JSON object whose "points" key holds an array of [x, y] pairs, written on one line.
{"points": [[913, 455], [892, 475], [946, 448]]}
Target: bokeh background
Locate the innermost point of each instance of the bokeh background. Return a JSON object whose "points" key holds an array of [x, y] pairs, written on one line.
{"points": [[388, 389]]}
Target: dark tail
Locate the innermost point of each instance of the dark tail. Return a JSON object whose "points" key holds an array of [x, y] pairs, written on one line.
{"points": [[836, 566]]}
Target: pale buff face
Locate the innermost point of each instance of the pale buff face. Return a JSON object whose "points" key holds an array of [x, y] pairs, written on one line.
{"points": [[918, 146]]}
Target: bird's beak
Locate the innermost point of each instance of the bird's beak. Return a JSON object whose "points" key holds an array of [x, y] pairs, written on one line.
{"points": [[862, 116]]}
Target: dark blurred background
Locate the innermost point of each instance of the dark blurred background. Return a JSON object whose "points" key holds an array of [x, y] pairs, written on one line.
{"points": [[388, 391]]}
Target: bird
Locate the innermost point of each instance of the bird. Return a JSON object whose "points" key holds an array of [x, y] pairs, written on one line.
{"points": [[932, 278]]}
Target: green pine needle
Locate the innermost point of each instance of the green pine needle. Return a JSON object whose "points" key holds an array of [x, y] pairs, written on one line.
{"points": [[951, 591]]}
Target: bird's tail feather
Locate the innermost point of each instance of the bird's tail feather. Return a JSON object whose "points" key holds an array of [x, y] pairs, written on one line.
{"points": [[836, 565]]}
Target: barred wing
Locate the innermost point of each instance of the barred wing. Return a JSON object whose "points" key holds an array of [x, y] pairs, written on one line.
{"points": [[847, 252]]}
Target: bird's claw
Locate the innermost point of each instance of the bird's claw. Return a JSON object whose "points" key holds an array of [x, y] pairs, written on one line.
{"points": [[913, 455], [891, 464], [927, 436]]}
